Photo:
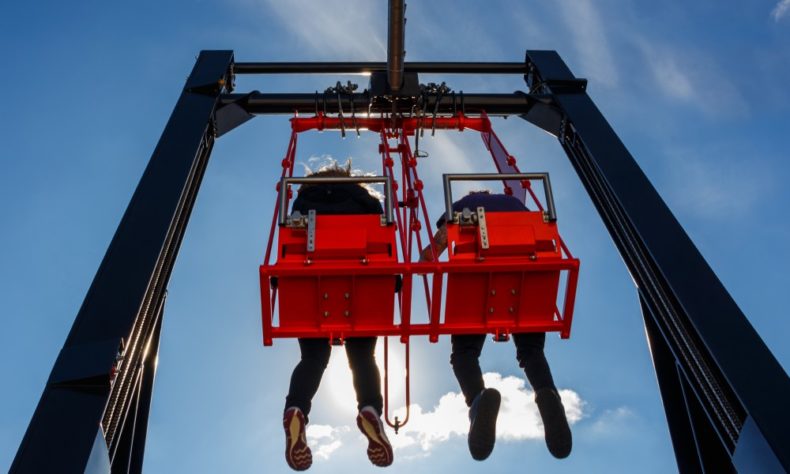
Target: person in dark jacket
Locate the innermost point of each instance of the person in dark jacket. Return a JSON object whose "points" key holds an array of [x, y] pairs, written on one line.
{"points": [[484, 402], [341, 198]]}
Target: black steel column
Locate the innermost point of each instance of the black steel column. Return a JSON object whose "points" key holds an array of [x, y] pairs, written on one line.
{"points": [[97, 375], [730, 378]]}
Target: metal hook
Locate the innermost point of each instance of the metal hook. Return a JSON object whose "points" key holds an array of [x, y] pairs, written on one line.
{"points": [[340, 110]]}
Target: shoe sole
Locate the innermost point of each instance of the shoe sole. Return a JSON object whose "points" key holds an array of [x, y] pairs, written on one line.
{"points": [[482, 433], [379, 448], [297, 453]]}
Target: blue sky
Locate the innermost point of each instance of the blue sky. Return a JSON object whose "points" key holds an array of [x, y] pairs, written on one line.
{"points": [[696, 90]]}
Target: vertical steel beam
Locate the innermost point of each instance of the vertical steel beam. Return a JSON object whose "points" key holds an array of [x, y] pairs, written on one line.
{"points": [[396, 54], [735, 379], [92, 384]]}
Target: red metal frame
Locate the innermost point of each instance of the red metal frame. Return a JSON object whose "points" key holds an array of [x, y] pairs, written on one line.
{"points": [[344, 287], [525, 260]]}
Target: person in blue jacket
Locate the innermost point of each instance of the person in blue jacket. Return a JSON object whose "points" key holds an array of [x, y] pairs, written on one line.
{"points": [[484, 402]]}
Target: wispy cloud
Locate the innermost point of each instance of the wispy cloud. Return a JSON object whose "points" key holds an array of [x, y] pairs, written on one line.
{"points": [[352, 29], [692, 77], [711, 183], [584, 23], [612, 421], [670, 77], [781, 9], [452, 154]]}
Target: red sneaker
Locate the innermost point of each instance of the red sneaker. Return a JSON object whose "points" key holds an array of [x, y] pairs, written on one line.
{"points": [[379, 447], [297, 453]]}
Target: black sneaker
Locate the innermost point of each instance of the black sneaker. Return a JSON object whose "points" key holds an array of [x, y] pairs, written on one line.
{"points": [[482, 428], [555, 425]]}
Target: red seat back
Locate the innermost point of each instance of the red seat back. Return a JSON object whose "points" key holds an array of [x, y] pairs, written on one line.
{"points": [[345, 286], [502, 287]]}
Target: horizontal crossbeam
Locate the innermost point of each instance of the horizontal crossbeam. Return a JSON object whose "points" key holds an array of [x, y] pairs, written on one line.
{"points": [[368, 67]]}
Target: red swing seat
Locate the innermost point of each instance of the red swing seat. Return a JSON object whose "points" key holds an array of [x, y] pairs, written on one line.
{"points": [[343, 287], [504, 269], [508, 280]]}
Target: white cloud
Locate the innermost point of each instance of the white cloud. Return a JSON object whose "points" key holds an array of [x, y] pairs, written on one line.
{"points": [[351, 29], [324, 439], [448, 421], [518, 416], [584, 23], [781, 9]]}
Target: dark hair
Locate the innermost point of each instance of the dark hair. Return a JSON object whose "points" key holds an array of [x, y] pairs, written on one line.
{"points": [[333, 170]]}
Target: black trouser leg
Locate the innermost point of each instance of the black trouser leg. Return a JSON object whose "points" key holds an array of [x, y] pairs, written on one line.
{"points": [[307, 374], [364, 371], [465, 359], [529, 353]]}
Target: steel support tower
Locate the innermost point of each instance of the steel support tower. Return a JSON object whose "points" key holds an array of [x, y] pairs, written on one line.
{"points": [[721, 386]]}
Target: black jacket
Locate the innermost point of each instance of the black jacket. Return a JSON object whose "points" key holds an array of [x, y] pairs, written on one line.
{"points": [[341, 198]]}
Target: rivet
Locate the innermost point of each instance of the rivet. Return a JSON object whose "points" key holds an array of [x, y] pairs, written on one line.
{"points": [[493, 292], [490, 310], [326, 296], [326, 314], [347, 296], [346, 313], [512, 291], [510, 309]]}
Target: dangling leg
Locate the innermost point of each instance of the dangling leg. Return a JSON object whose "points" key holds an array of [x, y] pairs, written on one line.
{"points": [[529, 352], [530, 356], [305, 380], [307, 374], [483, 402], [364, 372], [367, 385], [465, 359]]}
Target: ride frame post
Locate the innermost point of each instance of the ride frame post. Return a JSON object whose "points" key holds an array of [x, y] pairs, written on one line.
{"points": [[92, 415], [719, 382]]}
